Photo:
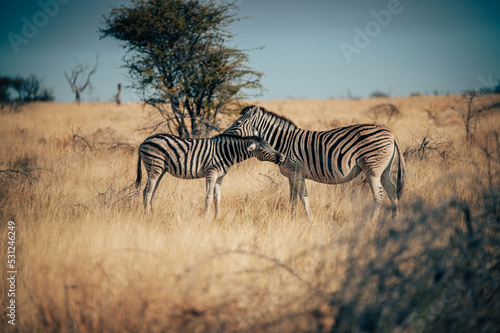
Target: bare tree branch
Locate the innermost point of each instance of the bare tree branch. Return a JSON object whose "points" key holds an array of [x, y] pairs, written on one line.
{"points": [[78, 86]]}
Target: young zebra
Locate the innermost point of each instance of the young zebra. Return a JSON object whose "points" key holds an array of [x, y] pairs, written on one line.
{"points": [[197, 158], [332, 157]]}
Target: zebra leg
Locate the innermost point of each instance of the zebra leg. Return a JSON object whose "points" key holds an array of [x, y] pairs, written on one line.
{"points": [[149, 191], [378, 195], [298, 189], [391, 191], [211, 180], [217, 195], [304, 198], [293, 196]]}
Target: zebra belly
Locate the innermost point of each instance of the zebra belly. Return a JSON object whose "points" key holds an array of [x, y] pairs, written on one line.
{"points": [[334, 177], [320, 168], [338, 179], [185, 174]]}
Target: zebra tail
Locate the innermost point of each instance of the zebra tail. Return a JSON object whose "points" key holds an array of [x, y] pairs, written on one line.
{"points": [[139, 172], [400, 183]]}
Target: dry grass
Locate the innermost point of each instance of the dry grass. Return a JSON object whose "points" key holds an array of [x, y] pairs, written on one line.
{"points": [[90, 260]]}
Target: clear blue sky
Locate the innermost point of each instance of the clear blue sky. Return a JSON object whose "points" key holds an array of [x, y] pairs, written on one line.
{"points": [[312, 49]]}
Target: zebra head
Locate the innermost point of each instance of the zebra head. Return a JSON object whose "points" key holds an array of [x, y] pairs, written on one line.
{"points": [[244, 125], [263, 151]]}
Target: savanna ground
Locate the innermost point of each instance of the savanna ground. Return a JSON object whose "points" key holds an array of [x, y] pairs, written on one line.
{"points": [[89, 260]]}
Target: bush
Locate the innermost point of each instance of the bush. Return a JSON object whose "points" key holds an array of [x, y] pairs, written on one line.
{"points": [[26, 90], [385, 113], [379, 93], [437, 271]]}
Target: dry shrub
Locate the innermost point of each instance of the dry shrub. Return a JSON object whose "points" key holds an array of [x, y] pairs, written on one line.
{"points": [[335, 123], [474, 106], [441, 115], [384, 113], [18, 179], [430, 145], [102, 139], [437, 270]]}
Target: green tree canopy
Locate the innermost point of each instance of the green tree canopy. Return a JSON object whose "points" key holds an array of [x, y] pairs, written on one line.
{"points": [[179, 57]]}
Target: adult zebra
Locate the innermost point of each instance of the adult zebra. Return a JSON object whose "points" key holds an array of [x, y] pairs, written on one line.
{"points": [[197, 158], [332, 157]]}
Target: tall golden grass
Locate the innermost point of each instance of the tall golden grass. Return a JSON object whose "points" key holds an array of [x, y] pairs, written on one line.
{"points": [[89, 259]]}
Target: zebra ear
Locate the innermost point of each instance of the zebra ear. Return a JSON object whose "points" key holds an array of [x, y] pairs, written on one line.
{"points": [[250, 110], [252, 147]]}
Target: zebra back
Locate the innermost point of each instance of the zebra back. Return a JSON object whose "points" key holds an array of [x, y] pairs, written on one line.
{"points": [[193, 158], [181, 157], [325, 156]]}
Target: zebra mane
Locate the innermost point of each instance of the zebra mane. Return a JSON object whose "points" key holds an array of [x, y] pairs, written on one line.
{"points": [[269, 114], [223, 136]]}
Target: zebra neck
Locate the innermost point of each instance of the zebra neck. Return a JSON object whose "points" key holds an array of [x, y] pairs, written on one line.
{"points": [[236, 152], [279, 136]]}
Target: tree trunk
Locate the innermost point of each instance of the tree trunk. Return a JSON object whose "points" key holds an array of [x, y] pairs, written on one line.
{"points": [[78, 99], [195, 131]]}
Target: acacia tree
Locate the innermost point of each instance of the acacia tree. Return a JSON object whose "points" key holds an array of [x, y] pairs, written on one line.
{"points": [[179, 57]]}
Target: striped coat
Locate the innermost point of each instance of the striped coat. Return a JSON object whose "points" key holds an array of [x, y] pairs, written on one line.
{"points": [[332, 157], [197, 158]]}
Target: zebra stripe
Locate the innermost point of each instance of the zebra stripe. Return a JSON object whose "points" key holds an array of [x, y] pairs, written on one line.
{"points": [[197, 158], [332, 157]]}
